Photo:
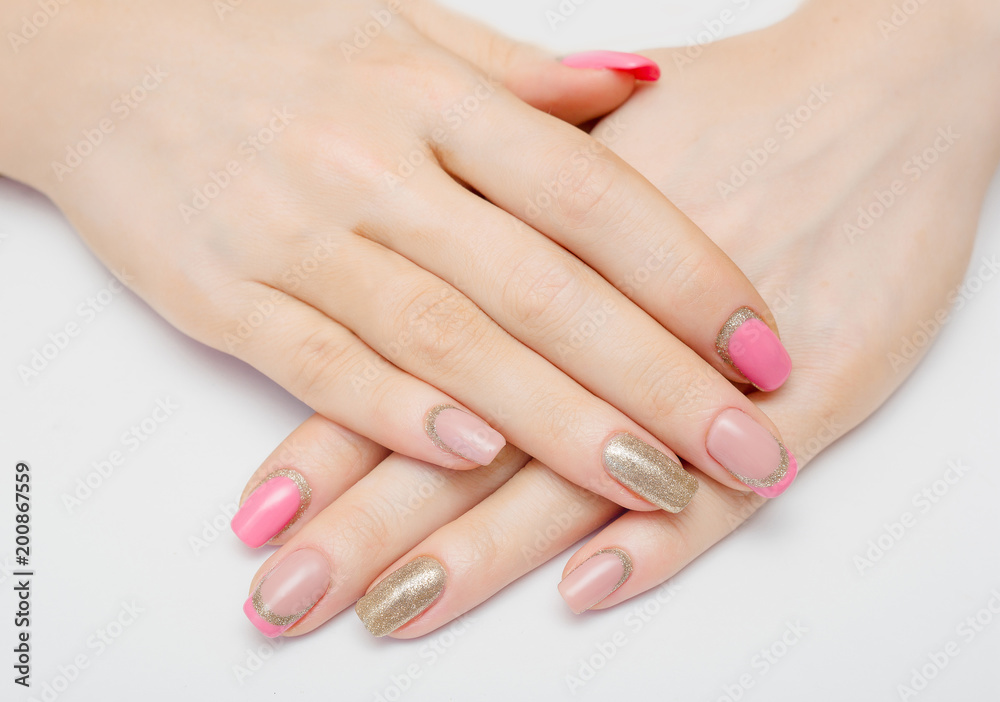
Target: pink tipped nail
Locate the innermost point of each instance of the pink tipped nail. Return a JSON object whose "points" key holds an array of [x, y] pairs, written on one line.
{"points": [[269, 509], [596, 578], [639, 66], [751, 453], [749, 345], [265, 627], [285, 594]]}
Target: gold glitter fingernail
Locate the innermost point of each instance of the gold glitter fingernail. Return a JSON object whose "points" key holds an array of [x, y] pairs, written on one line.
{"points": [[649, 473], [402, 595]]}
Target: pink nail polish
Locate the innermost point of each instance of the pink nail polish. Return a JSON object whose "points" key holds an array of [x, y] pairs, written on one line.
{"points": [[639, 66], [597, 577], [463, 434], [271, 508], [751, 453], [288, 592], [749, 345]]}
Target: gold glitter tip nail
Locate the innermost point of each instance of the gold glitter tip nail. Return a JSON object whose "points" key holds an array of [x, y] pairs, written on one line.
{"points": [[649, 473], [738, 319], [402, 595]]}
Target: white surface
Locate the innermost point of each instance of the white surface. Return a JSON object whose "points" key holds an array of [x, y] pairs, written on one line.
{"points": [[130, 541]]}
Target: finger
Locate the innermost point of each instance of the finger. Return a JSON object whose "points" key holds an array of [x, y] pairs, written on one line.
{"points": [[326, 566], [634, 554], [426, 327], [639, 551], [310, 469], [335, 373], [531, 518], [606, 80], [554, 304], [569, 186]]}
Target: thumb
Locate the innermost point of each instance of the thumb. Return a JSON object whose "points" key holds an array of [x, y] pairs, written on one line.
{"points": [[578, 89]]}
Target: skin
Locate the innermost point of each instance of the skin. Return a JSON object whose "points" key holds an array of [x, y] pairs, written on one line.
{"points": [[331, 243], [850, 295]]}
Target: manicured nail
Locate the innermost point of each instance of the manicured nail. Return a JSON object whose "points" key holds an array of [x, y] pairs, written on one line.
{"points": [[751, 453], [402, 595], [749, 345], [463, 434], [271, 508], [639, 66], [288, 592], [597, 577], [649, 473]]}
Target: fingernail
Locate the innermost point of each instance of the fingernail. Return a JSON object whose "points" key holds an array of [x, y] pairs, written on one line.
{"points": [[288, 592], [749, 345], [751, 453], [402, 595], [463, 434], [649, 473], [271, 508], [596, 578], [639, 66]]}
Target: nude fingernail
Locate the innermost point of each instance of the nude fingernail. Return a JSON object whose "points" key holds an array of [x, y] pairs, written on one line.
{"points": [[402, 595], [597, 577], [751, 453], [285, 594], [649, 473], [463, 434], [271, 508], [749, 345], [639, 66]]}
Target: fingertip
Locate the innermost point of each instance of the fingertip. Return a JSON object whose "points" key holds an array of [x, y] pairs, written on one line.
{"points": [[572, 95], [640, 67]]}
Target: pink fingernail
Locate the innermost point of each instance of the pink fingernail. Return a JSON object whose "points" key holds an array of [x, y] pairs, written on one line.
{"points": [[271, 508], [639, 66], [463, 434], [749, 345], [288, 592], [751, 453], [596, 578]]}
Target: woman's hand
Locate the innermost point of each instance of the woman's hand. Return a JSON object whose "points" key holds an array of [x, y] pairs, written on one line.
{"points": [[853, 292], [290, 183]]}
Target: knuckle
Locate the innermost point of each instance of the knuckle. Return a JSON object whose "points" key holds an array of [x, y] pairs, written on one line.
{"points": [[590, 195], [320, 359], [482, 546], [556, 416], [663, 394], [690, 278], [541, 292], [338, 159], [438, 325], [368, 528]]}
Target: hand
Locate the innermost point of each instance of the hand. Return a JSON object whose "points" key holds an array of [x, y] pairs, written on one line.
{"points": [[851, 300], [284, 194]]}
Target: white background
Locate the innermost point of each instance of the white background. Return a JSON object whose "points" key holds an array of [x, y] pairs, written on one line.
{"points": [[794, 564]]}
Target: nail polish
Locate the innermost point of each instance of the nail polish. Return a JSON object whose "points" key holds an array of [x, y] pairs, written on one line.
{"points": [[639, 66], [751, 453], [290, 590], [748, 345], [402, 595], [649, 473], [271, 508], [463, 434], [595, 579]]}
